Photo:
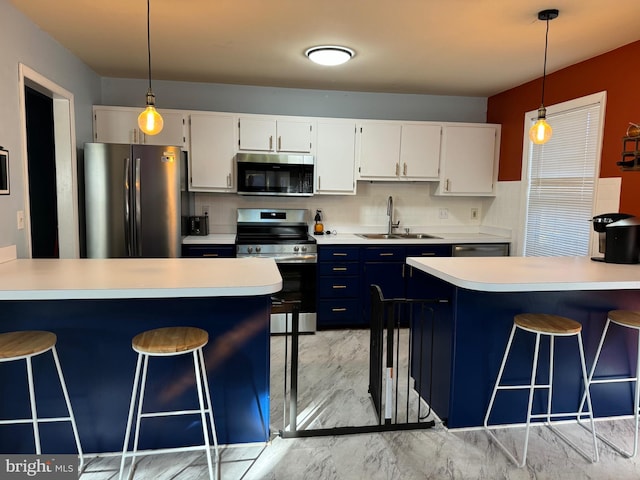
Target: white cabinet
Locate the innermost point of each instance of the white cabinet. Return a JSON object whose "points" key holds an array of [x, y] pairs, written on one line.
{"points": [[212, 152], [420, 151], [379, 150], [120, 125], [336, 157], [469, 160], [267, 134], [399, 151]]}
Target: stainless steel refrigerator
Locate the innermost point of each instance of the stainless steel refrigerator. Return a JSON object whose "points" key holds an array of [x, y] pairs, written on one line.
{"points": [[134, 198]]}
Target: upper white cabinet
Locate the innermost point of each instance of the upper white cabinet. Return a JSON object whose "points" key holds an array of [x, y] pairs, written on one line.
{"points": [[212, 151], [336, 157], [379, 150], [469, 160], [399, 150], [268, 134], [420, 151], [120, 125]]}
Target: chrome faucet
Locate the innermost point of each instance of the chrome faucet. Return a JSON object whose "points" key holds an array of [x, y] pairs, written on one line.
{"points": [[390, 215]]}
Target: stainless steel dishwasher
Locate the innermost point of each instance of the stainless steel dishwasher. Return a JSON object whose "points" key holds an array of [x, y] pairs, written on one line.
{"points": [[481, 250]]}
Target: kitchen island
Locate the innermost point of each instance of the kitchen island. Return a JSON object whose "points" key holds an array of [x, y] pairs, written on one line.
{"points": [[95, 307], [469, 335]]}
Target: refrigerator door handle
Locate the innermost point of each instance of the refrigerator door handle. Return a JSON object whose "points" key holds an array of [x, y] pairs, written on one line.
{"points": [[137, 223], [127, 205]]}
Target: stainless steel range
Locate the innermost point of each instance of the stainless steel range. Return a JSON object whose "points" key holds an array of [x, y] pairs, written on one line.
{"points": [[283, 234]]}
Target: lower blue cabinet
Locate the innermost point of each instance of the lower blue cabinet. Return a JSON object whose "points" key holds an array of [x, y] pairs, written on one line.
{"points": [[338, 287]]}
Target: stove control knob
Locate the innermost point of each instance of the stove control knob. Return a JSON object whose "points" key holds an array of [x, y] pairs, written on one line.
{"points": [[249, 249], [258, 249], [296, 248], [304, 249]]}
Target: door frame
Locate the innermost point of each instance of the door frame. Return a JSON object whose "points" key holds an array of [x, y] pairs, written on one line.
{"points": [[65, 158]]}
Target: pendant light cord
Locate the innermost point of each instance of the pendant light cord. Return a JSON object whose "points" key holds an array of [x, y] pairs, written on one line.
{"points": [[544, 68], [149, 40]]}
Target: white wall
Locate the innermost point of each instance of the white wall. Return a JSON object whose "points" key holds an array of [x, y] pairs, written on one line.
{"points": [[23, 42]]}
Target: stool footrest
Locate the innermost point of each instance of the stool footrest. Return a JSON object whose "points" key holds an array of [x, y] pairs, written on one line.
{"points": [[38, 420], [172, 413]]}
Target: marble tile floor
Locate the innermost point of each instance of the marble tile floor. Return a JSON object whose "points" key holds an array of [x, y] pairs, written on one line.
{"points": [[333, 374]]}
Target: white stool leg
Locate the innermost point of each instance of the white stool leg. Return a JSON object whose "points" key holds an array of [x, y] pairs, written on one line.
{"points": [[585, 382], [34, 412], [532, 389], [208, 397], [205, 429], [595, 362], [132, 404], [552, 347], [143, 383], [72, 417]]}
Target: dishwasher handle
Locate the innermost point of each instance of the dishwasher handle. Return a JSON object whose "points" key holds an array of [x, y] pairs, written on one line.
{"points": [[481, 250]]}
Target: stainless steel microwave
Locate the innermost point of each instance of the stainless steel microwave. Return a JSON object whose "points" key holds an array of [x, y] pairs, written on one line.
{"points": [[273, 174]]}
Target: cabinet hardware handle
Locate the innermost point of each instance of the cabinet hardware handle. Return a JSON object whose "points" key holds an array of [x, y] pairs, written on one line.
{"points": [[279, 143], [428, 254], [404, 169], [228, 180], [390, 254], [271, 142], [338, 287], [446, 188], [210, 255], [410, 272], [337, 254], [397, 169], [319, 182], [341, 309], [339, 269], [403, 270]]}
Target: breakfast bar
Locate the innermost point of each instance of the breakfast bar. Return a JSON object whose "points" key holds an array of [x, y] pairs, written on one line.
{"points": [[469, 334], [95, 307]]}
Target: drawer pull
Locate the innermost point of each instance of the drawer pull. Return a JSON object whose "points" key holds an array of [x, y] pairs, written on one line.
{"points": [[341, 309], [428, 254], [339, 269], [210, 255], [337, 287], [390, 254], [338, 254]]}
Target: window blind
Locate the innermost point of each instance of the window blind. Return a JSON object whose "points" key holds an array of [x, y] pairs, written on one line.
{"points": [[562, 175]]}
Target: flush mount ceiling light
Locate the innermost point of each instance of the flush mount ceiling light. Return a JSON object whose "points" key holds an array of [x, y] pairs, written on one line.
{"points": [[150, 121], [329, 55], [541, 131]]}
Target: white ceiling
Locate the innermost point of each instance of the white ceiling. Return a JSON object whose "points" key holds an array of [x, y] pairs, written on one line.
{"points": [[444, 47]]}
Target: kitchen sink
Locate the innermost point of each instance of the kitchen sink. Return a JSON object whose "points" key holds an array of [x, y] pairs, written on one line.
{"points": [[395, 236]]}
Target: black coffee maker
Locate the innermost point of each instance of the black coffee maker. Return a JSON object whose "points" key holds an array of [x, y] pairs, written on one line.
{"points": [[619, 237]]}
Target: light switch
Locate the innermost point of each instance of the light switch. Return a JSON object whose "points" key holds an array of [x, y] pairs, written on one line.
{"points": [[20, 219]]}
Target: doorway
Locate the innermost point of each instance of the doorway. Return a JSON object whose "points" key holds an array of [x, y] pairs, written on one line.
{"points": [[48, 109]]}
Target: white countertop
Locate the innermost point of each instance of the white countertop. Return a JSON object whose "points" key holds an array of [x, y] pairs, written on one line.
{"points": [[137, 278], [529, 274], [353, 239]]}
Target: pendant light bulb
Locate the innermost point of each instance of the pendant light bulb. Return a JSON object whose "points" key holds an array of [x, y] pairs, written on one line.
{"points": [[540, 133], [150, 121]]}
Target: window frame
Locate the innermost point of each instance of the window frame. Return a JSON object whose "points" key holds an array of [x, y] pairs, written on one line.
{"points": [[529, 119]]}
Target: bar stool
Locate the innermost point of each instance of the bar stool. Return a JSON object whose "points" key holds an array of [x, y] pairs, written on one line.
{"points": [[168, 342], [626, 319], [550, 326], [25, 345]]}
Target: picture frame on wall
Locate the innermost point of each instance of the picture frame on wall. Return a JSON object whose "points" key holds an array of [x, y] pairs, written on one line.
{"points": [[4, 171]]}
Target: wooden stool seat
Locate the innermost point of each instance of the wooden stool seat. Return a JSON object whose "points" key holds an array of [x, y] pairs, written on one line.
{"points": [[547, 324], [626, 318], [169, 340], [14, 345]]}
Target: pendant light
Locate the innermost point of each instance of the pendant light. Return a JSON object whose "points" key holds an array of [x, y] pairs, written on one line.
{"points": [[150, 121], [541, 131]]}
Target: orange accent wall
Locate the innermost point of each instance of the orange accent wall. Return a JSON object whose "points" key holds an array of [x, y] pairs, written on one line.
{"points": [[615, 72]]}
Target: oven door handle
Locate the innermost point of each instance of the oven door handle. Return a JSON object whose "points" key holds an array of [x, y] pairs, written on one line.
{"points": [[296, 259]]}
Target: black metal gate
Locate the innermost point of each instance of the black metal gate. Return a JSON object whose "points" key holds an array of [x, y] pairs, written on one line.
{"points": [[395, 330]]}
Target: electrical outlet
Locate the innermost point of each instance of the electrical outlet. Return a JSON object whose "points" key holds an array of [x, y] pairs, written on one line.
{"points": [[20, 219], [474, 213], [443, 213], [205, 210]]}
